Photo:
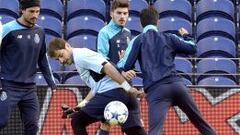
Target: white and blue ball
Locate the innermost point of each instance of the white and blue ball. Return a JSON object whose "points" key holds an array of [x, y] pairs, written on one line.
{"points": [[115, 113]]}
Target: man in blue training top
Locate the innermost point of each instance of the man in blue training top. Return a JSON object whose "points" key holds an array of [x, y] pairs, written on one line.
{"points": [[106, 84], [164, 88], [23, 48], [113, 39]]}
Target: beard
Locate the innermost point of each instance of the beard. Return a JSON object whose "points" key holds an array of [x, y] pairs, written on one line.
{"points": [[31, 21]]}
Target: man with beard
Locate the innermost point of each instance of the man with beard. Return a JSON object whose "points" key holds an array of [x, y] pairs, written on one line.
{"points": [[23, 48]]}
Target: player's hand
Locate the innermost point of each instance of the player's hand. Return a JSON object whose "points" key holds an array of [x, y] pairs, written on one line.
{"points": [[137, 93], [67, 111], [129, 74], [183, 31]]}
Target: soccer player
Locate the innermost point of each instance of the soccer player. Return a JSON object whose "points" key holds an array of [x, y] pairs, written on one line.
{"points": [[23, 48], [164, 88], [106, 84], [113, 39]]}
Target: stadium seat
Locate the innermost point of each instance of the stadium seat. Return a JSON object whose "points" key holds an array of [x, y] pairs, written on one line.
{"points": [[95, 8], [9, 7], [55, 65], [84, 25], [187, 81], [216, 46], [40, 80], [172, 24], [216, 65], [212, 8], [48, 38], [52, 7], [6, 18], [184, 67], [180, 8], [136, 6], [134, 25], [74, 79], [216, 26], [216, 80], [51, 25], [84, 41]]}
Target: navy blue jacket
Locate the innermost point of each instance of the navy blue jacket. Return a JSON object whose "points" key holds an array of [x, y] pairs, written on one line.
{"points": [[22, 49], [156, 52]]}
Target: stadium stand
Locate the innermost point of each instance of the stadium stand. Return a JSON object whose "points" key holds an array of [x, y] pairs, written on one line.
{"points": [[52, 7], [216, 46], [216, 26], [9, 7], [134, 25], [84, 41], [172, 24], [95, 8], [51, 25], [209, 8], [180, 8], [83, 25]]}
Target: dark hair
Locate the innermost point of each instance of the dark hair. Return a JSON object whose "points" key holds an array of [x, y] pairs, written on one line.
{"points": [[29, 3], [119, 4], [55, 45], [149, 16]]}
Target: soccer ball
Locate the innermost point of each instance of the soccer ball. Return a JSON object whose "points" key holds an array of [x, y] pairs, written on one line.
{"points": [[115, 113]]}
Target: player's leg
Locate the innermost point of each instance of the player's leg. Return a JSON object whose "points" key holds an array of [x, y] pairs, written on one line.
{"points": [[8, 99], [90, 113], [29, 111], [186, 103], [80, 121], [133, 125], [159, 101]]}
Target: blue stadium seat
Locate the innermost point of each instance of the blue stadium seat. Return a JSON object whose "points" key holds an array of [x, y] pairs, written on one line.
{"points": [[55, 65], [216, 46], [6, 18], [172, 24], [84, 25], [180, 8], [84, 41], [52, 7], [48, 38], [134, 25], [216, 80], [216, 65], [70, 68], [51, 25], [95, 8], [9, 7], [40, 80], [183, 66], [74, 79], [187, 81], [136, 6], [208, 8], [216, 26]]}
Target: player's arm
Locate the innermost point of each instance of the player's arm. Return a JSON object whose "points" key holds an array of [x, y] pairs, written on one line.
{"points": [[96, 62], [89, 96], [102, 43], [112, 72], [184, 44], [45, 67]]}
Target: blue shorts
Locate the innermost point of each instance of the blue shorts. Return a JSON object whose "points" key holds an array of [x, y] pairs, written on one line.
{"points": [[95, 107]]}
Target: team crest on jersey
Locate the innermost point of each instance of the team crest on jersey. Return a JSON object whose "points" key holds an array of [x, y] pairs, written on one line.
{"points": [[3, 96], [36, 38]]}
